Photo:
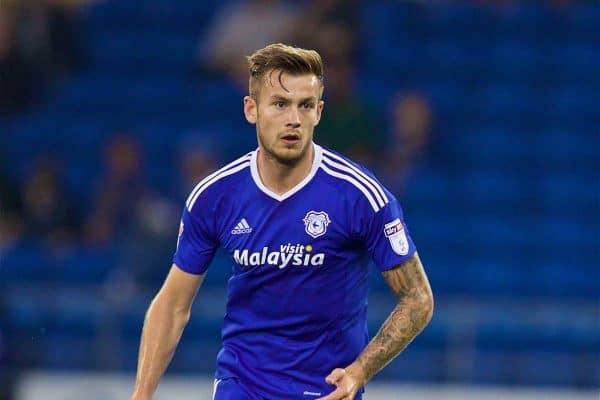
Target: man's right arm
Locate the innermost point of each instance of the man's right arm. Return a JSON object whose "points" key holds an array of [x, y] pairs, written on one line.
{"points": [[165, 320]]}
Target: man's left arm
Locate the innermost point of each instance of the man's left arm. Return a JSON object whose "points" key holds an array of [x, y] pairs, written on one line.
{"points": [[412, 313]]}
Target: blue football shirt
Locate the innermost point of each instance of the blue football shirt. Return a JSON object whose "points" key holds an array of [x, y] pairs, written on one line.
{"points": [[297, 298]]}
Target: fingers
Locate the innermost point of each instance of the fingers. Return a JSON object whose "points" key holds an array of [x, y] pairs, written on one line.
{"points": [[338, 394], [335, 376], [344, 390]]}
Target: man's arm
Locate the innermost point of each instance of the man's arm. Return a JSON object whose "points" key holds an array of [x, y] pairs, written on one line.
{"points": [[412, 313], [165, 320]]}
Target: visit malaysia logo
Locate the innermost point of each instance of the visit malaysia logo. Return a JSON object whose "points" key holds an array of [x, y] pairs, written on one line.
{"points": [[315, 223], [288, 254]]}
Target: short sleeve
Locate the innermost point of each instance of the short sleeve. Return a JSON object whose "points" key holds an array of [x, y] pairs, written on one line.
{"points": [[387, 238], [196, 245]]}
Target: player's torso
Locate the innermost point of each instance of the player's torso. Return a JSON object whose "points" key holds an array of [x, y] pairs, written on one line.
{"points": [[290, 255], [297, 292], [296, 305]]}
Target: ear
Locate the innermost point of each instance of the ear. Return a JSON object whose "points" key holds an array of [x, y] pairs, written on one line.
{"points": [[320, 106], [250, 109]]}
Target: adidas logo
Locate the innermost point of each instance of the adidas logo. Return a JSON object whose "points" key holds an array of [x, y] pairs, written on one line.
{"points": [[241, 227]]}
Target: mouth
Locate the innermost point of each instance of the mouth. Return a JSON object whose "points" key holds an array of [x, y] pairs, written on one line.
{"points": [[290, 138]]}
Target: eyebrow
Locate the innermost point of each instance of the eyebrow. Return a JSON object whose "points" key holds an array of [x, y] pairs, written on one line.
{"points": [[281, 98]]}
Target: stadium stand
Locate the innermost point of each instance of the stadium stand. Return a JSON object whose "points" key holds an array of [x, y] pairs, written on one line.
{"points": [[505, 210]]}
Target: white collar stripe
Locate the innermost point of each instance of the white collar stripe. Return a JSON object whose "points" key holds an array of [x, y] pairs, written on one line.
{"points": [[209, 177], [215, 179], [280, 197], [359, 177], [367, 177], [354, 182]]}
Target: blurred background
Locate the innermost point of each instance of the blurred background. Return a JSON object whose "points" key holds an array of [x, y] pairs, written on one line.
{"points": [[481, 116]]}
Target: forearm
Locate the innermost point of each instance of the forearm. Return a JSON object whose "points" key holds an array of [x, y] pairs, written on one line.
{"points": [[162, 331], [412, 313]]}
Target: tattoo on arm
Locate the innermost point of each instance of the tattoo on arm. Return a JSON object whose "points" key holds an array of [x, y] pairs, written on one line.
{"points": [[411, 314]]}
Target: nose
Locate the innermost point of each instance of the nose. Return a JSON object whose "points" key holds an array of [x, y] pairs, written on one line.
{"points": [[293, 118]]}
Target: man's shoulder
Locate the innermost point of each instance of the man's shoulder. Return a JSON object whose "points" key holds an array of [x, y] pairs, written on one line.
{"points": [[355, 179], [336, 156], [217, 181]]}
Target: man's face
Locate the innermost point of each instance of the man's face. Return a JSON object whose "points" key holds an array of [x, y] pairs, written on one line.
{"points": [[286, 113]]}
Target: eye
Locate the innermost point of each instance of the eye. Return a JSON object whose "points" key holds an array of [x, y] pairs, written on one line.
{"points": [[307, 105], [279, 104]]}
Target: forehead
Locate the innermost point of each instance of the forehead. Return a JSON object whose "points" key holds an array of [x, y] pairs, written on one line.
{"points": [[277, 83]]}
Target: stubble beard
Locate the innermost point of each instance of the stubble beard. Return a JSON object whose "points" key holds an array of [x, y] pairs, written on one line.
{"points": [[272, 154], [289, 161]]}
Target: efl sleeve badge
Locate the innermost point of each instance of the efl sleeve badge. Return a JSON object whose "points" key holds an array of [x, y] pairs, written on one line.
{"points": [[394, 231]]}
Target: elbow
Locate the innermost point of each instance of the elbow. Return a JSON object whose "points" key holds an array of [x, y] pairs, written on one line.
{"points": [[423, 305], [178, 313]]}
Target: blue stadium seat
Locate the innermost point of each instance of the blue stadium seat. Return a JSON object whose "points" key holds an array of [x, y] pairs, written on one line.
{"points": [[491, 188], [415, 365], [571, 104], [578, 62], [110, 14], [86, 265], [515, 60], [552, 368], [31, 136], [181, 17], [381, 19], [90, 96], [458, 20], [568, 278], [26, 309], [569, 194], [159, 15], [26, 262], [196, 355], [582, 21], [526, 20], [557, 147], [524, 368], [454, 60], [144, 53], [66, 352]]}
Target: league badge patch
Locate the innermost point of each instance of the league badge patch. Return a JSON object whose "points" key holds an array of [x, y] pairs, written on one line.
{"points": [[394, 231], [315, 223]]}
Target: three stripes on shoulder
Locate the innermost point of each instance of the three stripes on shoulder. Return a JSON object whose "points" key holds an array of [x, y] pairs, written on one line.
{"points": [[331, 164], [363, 182]]}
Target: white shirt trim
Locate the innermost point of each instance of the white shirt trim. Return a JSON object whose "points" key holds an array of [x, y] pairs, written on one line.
{"points": [[280, 197]]}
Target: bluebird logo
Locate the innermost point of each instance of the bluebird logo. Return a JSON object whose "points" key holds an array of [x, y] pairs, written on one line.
{"points": [[315, 223]]}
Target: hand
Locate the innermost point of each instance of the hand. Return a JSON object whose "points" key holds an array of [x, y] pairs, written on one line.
{"points": [[348, 380]]}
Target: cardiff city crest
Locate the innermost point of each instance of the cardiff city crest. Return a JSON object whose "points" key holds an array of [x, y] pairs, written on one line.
{"points": [[315, 223]]}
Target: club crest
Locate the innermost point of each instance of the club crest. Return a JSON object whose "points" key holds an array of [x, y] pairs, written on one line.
{"points": [[315, 223]]}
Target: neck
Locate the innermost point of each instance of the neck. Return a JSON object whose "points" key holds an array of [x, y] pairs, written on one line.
{"points": [[280, 178]]}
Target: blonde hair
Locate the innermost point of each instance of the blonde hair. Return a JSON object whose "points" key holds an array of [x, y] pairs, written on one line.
{"points": [[282, 58]]}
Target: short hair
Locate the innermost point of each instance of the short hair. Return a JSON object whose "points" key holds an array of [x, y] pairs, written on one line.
{"points": [[288, 59]]}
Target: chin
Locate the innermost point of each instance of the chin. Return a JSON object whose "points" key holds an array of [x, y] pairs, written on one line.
{"points": [[290, 156]]}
